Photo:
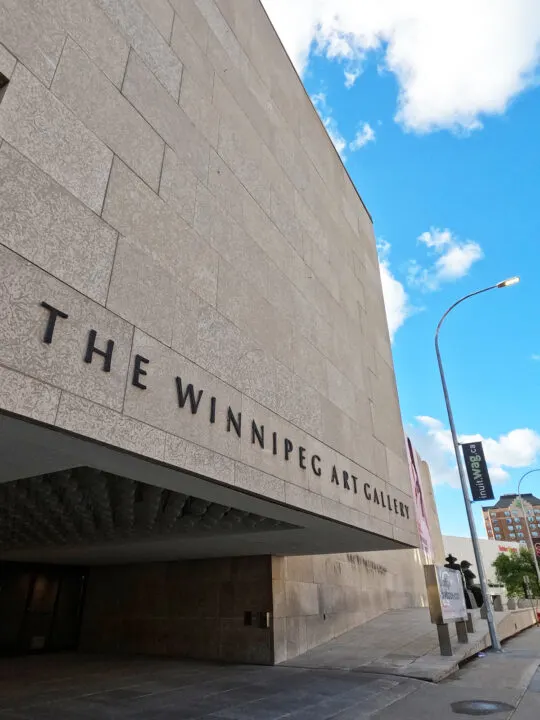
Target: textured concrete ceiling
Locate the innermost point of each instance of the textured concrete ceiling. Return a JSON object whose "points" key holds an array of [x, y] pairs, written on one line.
{"points": [[84, 506], [67, 499]]}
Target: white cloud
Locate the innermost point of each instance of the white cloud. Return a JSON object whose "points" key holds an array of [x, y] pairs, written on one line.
{"points": [[535, 357], [351, 77], [365, 135], [455, 259], [396, 301], [329, 122], [455, 62], [517, 449]]}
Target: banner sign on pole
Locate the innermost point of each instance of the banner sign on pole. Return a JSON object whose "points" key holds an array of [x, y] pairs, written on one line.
{"points": [[476, 465]]}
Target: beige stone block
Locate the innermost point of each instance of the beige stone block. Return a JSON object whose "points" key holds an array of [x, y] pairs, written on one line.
{"points": [[78, 83], [239, 18], [132, 208], [142, 291], [311, 225], [23, 395], [162, 112], [187, 45], [302, 598], [193, 21], [46, 224], [300, 569], [279, 625], [348, 437], [234, 357], [282, 213], [267, 236], [380, 460], [7, 62], [194, 458], [23, 287], [296, 636], [95, 421], [282, 294], [407, 537], [196, 102], [158, 405], [386, 414], [362, 413], [140, 31], [226, 188], [161, 14], [230, 241], [95, 33], [243, 303], [341, 390], [240, 146], [178, 186], [321, 629], [259, 483], [312, 325], [332, 279], [219, 27], [189, 309], [398, 471], [48, 134], [298, 402], [303, 499], [271, 459], [278, 567], [29, 31]]}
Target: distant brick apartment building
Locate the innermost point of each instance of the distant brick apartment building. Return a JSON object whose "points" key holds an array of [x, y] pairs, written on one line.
{"points": [[506, 519]]}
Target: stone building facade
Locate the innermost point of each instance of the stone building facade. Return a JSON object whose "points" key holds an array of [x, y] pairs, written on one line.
{"points": [[196, 378]]}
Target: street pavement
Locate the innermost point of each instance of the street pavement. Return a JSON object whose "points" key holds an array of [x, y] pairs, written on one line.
{"points": [[74, 687]]}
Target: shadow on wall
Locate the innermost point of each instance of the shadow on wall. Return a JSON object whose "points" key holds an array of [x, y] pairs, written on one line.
{"points": [[317, 598]]}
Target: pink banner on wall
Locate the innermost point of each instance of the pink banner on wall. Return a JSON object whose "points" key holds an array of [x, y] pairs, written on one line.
{"points": [[422, 521]]}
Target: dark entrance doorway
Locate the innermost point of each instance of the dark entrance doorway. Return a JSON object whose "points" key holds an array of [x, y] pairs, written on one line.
{"points": [[40, 607]]}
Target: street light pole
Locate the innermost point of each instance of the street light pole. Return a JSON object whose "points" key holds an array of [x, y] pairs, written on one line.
{"points": [[529, 536], [468, 504]]}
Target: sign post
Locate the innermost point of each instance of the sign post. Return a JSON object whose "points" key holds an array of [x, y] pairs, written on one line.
{"points": [[446, 604], [479, 480]]}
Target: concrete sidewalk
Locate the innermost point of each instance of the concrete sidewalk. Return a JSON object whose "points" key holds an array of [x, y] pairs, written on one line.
{"points": [[92, 688], [404, 643], [511, 677], [82, 687]]}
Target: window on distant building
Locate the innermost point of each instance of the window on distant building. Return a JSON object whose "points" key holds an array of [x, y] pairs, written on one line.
{"points": [[510, 527], [498, 537], [493, 514], [535, 533], [518, 527], [512, 535], [507, 512], [521, 535], [515, 514]]}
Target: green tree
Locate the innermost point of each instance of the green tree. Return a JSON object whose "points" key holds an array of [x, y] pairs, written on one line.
{"points": [[511, 569]]}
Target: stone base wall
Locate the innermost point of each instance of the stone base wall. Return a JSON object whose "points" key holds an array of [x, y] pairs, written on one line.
{"points": [[317, 598], [189, 609]]}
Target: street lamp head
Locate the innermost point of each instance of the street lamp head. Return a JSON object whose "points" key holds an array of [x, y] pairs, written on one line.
{"points": [[508, 282]]}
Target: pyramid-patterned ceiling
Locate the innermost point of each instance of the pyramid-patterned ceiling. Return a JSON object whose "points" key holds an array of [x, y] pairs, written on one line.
{"points": [[84, 506]]}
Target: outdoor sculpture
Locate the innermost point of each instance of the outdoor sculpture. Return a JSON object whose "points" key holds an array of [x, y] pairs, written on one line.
{"points": [[473, 594], [469, 577]]}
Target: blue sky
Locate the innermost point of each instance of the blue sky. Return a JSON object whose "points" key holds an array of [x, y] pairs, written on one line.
{"points": [[447, 160]]}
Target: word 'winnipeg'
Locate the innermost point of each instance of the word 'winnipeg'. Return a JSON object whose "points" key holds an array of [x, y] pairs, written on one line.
{"points": [[258, 435]]}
